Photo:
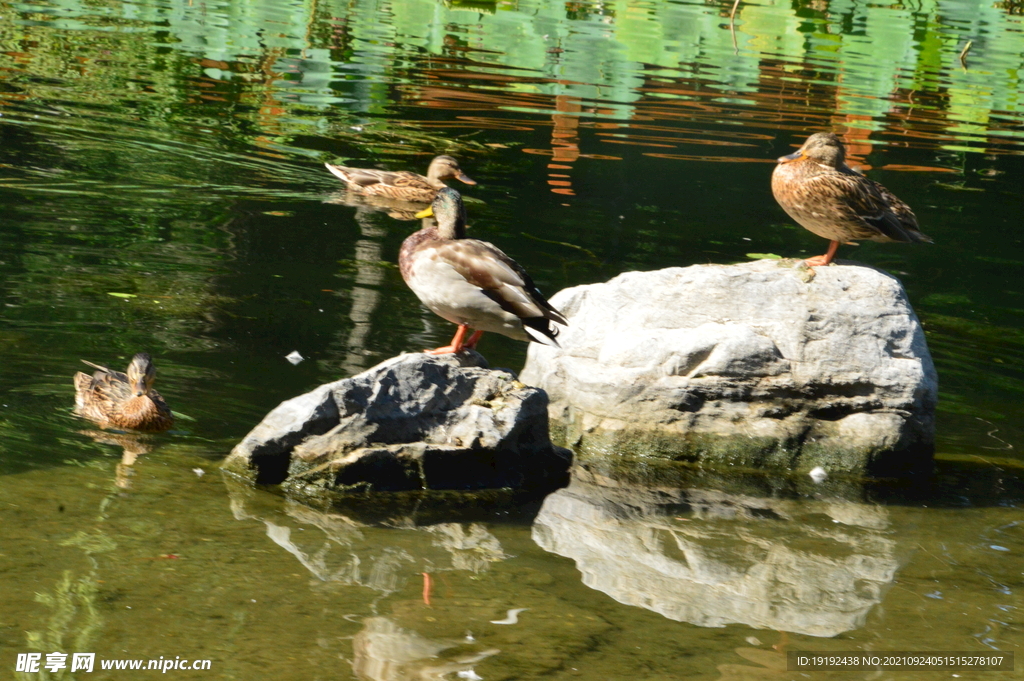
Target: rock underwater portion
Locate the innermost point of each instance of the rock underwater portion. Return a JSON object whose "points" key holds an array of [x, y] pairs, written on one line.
{"points": [[768, 364], [413, 422]]}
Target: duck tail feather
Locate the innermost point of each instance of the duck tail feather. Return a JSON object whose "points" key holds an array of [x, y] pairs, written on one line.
{"points": [[540, 330], [921, 237], [97, 366]]}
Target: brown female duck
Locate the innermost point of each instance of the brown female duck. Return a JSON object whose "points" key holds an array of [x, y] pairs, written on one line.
{"points": [[402, 184], [472, 283], [126, 401], [818, 190]]}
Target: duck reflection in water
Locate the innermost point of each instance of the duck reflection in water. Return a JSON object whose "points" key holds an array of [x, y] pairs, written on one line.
{"points": [[827, 197], [394, 208], [133, 445]]}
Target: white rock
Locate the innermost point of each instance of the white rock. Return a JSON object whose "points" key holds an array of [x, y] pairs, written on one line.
{"points": [[765, 364]]}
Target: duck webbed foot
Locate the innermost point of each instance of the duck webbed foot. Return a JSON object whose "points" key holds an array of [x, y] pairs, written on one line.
{"points": [[473, 340], [457, 343], [821, 260]]}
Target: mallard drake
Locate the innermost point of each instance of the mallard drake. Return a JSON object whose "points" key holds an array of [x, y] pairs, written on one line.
{"points": [[818, 190], [402, 184], [472, 283], [126, 401]]}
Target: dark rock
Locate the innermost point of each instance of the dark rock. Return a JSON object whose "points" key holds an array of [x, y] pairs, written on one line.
{"points": [[413, 422]]}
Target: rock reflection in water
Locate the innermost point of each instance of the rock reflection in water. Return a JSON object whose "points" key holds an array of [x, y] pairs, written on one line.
{"points": [[383, 546], [385, 651], [335, 547], [712, 558]]}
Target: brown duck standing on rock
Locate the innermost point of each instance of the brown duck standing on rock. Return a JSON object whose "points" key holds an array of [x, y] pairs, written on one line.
{"points": [[402, 184], [125, 401], [818, 190], [472, 283]]}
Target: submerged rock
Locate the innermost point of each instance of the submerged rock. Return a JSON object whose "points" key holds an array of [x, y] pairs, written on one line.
{"points": [[415, 421], [764, 364]]}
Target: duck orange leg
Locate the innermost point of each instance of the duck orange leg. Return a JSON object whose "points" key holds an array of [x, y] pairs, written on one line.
{"points": [[456, 345], [473, 340], [820, 260]]}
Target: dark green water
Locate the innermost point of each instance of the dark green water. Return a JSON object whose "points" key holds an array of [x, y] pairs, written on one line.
{"points": [[171, 153]]}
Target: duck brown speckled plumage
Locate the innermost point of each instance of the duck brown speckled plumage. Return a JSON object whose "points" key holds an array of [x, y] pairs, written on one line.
{"points": [[126, 401], [473, 283], [827, 197], [402, 184]]}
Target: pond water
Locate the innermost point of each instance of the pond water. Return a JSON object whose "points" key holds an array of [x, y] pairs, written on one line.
{"points": [[162, 189]]}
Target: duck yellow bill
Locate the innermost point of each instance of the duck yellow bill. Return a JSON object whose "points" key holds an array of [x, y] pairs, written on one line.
{"points": [[466, 179], [426, 212], [795, 156]]}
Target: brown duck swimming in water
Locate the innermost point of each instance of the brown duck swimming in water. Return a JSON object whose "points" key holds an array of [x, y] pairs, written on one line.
{"points": [[125, 401], [472, 283], [402, 184], [818, 190]]}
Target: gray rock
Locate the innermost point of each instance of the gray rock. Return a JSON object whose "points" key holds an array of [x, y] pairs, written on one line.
{"points": [[767, 364], [413, 422]]}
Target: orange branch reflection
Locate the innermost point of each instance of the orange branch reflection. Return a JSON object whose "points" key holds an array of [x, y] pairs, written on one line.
{"points": [[565, 143]]}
